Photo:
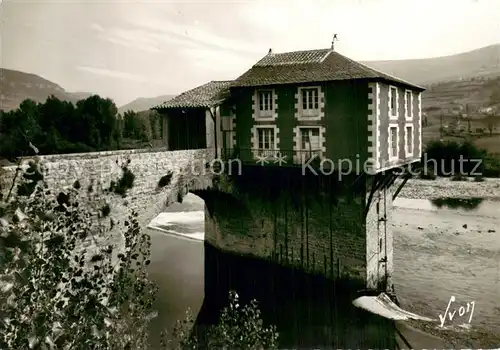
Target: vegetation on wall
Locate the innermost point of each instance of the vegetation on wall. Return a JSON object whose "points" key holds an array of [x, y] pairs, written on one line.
{"points": [[165, 180], [58, 127], [60, 292], [125, 182]]}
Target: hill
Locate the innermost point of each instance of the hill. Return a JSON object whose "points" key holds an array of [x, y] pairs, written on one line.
{"points": [[476, 93], [144, 103], [483, 62], [16, 86]]}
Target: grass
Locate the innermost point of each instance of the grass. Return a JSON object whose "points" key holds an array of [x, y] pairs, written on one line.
{"points": [[487, 142]]}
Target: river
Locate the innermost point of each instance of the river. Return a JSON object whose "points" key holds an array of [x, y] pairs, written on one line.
{"points": [[441, 249]]}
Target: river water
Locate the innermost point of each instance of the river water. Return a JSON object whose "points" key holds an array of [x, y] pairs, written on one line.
{"points": [[441, 249]]}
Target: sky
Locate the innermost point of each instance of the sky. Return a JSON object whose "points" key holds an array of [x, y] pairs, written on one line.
{"points": [[130, 49]]}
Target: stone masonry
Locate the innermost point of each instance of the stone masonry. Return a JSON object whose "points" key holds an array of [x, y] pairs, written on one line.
{"points": [[304, 223], [188, 169]]}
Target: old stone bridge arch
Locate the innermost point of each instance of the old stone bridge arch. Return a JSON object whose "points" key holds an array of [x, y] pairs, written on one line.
{"points": [[160, 177]]}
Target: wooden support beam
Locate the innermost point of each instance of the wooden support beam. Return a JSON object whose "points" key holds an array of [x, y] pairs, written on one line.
{"points": [[379, 181], [405, 179]]}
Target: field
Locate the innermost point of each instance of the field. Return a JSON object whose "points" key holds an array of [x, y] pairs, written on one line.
{"points": [[490, 143]]}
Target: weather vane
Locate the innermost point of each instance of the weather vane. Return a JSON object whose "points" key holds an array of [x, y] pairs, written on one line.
{"points": [[334, 40]]}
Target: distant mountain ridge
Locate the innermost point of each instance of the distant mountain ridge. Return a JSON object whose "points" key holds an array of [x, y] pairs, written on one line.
{"points": [[144, 103], [16, 86], [482, 62]]}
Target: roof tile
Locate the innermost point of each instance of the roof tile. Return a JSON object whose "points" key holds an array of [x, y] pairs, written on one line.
{"points": [[309, 66], [204, 96]]}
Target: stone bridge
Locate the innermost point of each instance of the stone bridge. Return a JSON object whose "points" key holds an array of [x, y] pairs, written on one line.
{"points": [[303, 245], [182, 171]]}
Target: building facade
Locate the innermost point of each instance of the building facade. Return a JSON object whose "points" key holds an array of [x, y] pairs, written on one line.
{"points": [[319, 104]]}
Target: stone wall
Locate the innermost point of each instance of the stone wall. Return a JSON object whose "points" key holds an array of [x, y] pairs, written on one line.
{"points": [[315, 224], [188, 169]]}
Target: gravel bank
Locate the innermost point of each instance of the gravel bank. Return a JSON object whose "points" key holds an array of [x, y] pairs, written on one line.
{"points": [[444, 187]]}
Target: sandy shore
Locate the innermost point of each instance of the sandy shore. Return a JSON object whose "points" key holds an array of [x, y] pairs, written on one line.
{"points": [[444, 253], [444, 187]]}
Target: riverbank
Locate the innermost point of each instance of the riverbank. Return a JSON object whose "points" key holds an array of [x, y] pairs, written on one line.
{"points": [[444, 187], [444, 253]]}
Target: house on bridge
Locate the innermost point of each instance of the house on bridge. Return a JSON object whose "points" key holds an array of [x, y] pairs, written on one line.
{"points": [[287, 110], [296, 106], [319, 103], [191, 118]]}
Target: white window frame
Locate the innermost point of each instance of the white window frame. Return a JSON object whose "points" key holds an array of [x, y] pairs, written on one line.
{"points": [[389, 138], [299, 146], [393, 116], [256, 150], [407, 152], [298, 141], [309, 114], [265, 114], [408, 113]]}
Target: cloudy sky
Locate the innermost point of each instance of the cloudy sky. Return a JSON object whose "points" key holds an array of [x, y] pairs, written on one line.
{"points": [[130, 49]]}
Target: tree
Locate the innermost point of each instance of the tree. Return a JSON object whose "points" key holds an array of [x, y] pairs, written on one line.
{"points": [[98, 116], [130, 124], [19, 126], [59, 292], [491, 122], [155, 120]]}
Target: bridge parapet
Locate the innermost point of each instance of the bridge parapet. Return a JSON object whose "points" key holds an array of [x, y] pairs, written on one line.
{"points": [[180, 172]]}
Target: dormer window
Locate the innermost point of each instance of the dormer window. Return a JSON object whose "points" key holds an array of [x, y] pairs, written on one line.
{"points": [[266, 103]]}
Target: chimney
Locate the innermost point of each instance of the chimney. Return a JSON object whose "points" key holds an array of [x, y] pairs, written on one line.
{"points": [[270, 51]]}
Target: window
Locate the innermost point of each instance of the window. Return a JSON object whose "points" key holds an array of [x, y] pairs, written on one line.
{"points": [[393, 135], [309, 139], [409, 104], [265, 100], [394, 101], [266, 138], [310, 98], [409, 140]]}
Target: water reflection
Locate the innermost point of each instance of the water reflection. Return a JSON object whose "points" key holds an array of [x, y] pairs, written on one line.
{"points": [[308, 311], [457, 203]]}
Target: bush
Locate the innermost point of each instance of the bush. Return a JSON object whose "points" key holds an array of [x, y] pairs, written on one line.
{"points": [[242, 328], [479, 178], [491, 166], [239, 327], [459, 177], [451, 156], [165, 180], [125, 182], [56, 293], [427, 173], [64, 286]]}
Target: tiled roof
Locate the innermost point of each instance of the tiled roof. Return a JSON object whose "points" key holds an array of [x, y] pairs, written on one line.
{"points": [[296, 57], [310, 66], [204, 96]]}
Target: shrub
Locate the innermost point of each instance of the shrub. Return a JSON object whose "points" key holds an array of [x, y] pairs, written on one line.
{"points": [[56, 293], [459, 177], [165, 180], [479, 178], [60, 292], [105, 210], [451, 156], [125, 182], [427, 173], [242, 328], [239, 327]]}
